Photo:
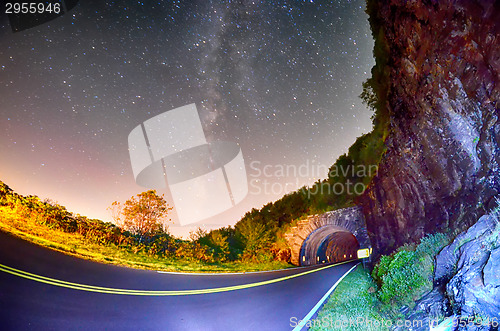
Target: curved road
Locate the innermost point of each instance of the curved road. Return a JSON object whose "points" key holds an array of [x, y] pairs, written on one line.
{"points": [[29, 302]]}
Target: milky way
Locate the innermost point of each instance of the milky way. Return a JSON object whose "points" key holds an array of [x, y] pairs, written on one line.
{"points": [[281, 78]]}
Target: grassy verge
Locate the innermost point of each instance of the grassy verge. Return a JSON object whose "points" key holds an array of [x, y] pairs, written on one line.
{"points": [[353, 300], [373, 302], [77, 245]]}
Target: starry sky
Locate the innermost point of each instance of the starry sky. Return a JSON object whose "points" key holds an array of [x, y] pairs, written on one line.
{"points": [[280, 78]]}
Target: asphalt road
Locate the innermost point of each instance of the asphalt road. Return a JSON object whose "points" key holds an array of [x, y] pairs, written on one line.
{"points": [[29, 304]]}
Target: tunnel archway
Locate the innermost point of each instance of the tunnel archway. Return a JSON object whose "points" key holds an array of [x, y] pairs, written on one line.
{"points": [[328, 237], [328, 244]]}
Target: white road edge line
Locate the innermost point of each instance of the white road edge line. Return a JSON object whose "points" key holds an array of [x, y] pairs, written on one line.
{"points": [[320, 302]]}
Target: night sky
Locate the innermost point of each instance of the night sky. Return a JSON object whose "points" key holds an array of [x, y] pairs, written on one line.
{"points": [[281, 78]]}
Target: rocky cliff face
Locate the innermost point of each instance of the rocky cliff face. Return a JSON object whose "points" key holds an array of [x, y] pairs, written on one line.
{"points": [[469, 268], [441, 168], [466, 280]]}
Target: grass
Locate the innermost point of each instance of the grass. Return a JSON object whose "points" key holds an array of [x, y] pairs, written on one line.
{"points": [[354, 300], [76, 245], [375, 300]]}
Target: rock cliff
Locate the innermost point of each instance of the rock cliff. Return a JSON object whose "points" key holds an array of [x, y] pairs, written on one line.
{"points": [[466, 280], [441, 166]]}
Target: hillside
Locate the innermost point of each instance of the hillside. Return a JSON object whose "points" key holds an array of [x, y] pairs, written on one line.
{"points": [[51, 225]]}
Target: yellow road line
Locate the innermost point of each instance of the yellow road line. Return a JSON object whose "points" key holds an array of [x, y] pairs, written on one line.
{"points": [[108, 290]]}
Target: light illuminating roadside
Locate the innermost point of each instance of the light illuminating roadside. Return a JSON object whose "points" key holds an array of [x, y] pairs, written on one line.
{"points": [[364, 253], [108, 290]]}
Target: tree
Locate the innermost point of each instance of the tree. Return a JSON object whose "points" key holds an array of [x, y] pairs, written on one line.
{"points": [[219, 241], [143, 215], [196, 235], [254, 236]]}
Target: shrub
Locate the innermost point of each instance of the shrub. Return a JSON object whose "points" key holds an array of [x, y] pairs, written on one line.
{"points": [[402, 279], [432, 244], [406, 274], [381, 268]]}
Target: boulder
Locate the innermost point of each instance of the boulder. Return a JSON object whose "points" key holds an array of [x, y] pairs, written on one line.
{"points": [[492, 268], [446, 261], [430, 308], [466, 280]]}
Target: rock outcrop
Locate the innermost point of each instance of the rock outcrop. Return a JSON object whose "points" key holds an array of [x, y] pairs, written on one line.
{"points": [[466, 280], [441, 167], [472, 265]]}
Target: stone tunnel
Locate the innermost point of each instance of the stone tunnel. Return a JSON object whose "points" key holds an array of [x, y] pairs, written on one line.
{"points": [[327, 238]]}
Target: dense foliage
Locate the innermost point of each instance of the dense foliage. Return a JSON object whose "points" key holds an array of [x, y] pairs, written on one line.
{"points": [[54, 216], [406, 274]]}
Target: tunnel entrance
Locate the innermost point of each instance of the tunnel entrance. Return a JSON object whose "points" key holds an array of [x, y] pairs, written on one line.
{"points": [[328, 237], [328, 244]]}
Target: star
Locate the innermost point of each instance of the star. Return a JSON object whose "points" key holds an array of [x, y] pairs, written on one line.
{"points": [[280, 78]]}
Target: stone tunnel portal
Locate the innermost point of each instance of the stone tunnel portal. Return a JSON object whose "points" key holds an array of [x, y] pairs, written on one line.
{"points": [[328, 244], [328, 237]]}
